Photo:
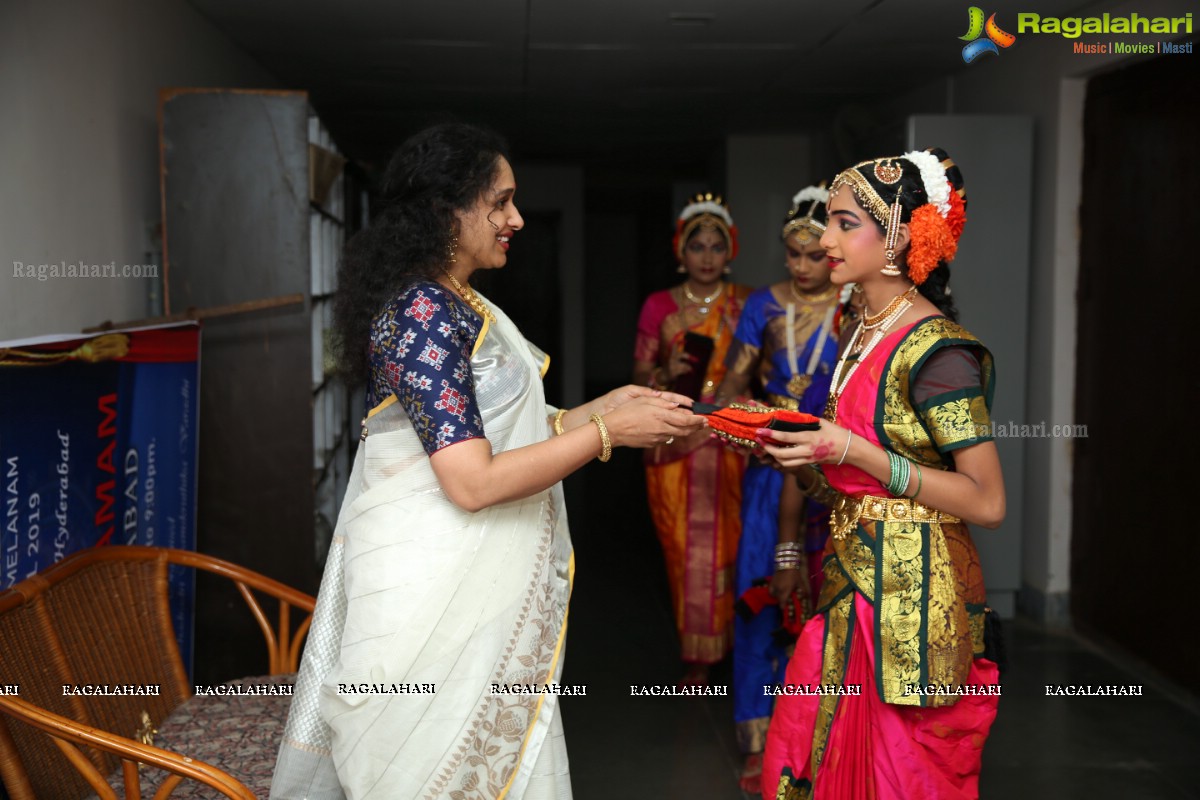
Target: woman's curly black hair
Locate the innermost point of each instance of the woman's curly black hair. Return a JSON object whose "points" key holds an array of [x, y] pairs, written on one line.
{"points": [[441, 170]]}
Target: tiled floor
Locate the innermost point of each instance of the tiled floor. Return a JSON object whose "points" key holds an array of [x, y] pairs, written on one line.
{"points": [[658, 748]]}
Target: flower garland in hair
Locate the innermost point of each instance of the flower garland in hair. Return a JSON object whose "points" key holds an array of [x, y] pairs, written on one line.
{"points": [[936, 226], [957, 217], [710, 206], [809, 193], [931, 242], [705, 207], [934, 239], [933, 178]]}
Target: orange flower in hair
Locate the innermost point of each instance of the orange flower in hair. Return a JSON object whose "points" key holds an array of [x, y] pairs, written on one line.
{"points": [[957, 216], [931, 241]]}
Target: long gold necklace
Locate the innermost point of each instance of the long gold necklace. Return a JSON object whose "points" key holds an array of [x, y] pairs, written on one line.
{"points": [[812, 298], [837, 384], [703, 302], [472, 299], [872, 321]]}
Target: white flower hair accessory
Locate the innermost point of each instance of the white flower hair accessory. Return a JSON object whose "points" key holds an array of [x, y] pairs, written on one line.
{"points": [[844, 295], [706, 207], [809, 193], [933, 177]]}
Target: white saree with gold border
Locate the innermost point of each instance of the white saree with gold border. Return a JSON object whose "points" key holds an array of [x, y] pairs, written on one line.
{"points": [[419, 594]]}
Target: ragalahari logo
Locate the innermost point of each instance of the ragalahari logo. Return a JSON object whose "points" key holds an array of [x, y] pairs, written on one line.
{"points": [[996, 38]]}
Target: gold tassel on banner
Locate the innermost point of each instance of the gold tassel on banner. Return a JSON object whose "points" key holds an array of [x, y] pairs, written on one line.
{"points": [[100, 348]]}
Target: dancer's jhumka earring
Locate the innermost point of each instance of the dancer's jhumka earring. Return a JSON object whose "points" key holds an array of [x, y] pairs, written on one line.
{"points": [[893, 231], [889, 173]]}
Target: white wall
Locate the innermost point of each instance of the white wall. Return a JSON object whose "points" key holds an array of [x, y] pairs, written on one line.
{"points": [[79, 84], [765, 172], [1041, 76]]}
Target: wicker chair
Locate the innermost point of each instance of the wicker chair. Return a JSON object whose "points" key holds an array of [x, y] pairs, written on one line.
{"points": [[101, 617]]}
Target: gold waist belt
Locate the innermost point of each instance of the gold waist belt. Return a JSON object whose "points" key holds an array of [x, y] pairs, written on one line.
{"points": [[781, 401], [849, 510]]}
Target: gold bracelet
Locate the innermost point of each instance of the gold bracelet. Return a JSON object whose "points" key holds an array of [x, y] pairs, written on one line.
{"points": [[558, 418], [605, 442]]}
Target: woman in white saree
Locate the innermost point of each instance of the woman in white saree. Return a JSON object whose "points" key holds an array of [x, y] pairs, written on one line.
{"points": [[451, 566]]}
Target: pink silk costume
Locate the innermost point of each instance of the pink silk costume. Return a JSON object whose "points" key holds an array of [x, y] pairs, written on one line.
{"points": [[888, 742], [694, 485]]}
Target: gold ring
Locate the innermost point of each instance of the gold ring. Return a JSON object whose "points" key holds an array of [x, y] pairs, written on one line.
{"points": [[669, 440]]}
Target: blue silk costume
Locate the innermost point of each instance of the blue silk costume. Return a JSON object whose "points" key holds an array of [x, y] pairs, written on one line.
{"points": [[760, 352]]}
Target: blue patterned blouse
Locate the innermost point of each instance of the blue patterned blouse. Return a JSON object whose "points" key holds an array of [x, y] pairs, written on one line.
{"points": [[421, 345]]}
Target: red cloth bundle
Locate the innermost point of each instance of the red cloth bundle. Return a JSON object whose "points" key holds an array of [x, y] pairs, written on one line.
{"points": [[737, 423], [758, 597]]}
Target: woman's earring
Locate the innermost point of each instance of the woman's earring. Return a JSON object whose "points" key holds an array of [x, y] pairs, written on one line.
{"points": [[452, 248], [681, 269], [890, 269], [728, 270]]}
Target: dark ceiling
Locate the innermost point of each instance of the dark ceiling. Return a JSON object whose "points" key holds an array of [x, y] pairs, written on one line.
{"points": [[597, 80]]}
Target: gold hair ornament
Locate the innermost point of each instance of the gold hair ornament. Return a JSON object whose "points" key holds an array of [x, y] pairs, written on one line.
{"points": [[804, 226]]}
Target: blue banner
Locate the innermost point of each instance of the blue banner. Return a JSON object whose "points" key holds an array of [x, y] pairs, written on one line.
{"points": [[98, 446]]}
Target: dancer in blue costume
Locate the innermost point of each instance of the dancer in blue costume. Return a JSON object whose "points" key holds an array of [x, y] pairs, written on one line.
{"points": [[783, 354]]}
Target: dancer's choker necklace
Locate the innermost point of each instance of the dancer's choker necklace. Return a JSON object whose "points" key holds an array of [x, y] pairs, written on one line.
{"points": [[872, 321], [816, 297], [687, 292]]}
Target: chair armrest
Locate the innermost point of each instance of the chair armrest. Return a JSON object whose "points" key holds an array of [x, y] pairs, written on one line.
{"points": [[283, 646], [67, 734]]}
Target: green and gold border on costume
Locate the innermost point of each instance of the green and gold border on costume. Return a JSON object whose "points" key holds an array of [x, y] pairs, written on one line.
{"points": [[903, 426], [792, 788], [923, 627]]}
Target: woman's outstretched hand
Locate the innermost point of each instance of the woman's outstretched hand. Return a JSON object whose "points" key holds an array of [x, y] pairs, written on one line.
{"points": [[646, 418], [619, 397]]}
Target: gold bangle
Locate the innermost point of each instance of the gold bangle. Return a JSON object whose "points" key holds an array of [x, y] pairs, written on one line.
{"points": [[558, 418], [605, 442]]}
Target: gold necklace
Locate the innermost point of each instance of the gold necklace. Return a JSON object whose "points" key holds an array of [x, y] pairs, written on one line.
{"points": [[872, 321], [703, 300], [472, 299], [812, 298], [837, 383]]}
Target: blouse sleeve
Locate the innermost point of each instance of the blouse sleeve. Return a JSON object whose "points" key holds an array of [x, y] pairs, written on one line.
{"points": [[421, 352], [654, 311], [743, 354], [948, 393]]}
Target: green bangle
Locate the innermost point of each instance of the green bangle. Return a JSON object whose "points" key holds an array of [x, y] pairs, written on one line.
{"points": [[918, 491], [899, 470]]}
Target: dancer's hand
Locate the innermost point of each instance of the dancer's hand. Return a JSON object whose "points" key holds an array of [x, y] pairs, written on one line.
{"points": [[785, 583], [680, 363], [795, 449]]}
